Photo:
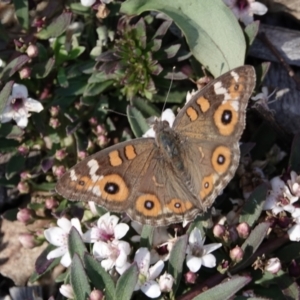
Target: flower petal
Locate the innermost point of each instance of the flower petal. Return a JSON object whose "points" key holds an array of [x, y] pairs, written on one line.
{"points": [[55, 236], [195, 237], [66, 260], [19, 91], [155, 270], [142, 258], [64, 224], [151, 289], [101, 250], [107, 264], [76, 223], [294, 233], [169, 116], [258, 8], [33, 105], [120, 230], [58, 252], [193, 263], [211, 247], [209, 261], [21, 120]]}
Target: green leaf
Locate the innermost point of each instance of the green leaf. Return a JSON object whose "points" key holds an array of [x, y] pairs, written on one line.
{"points": [[79, 280], [57, 27], [21, 9], [211, 30], [294, 162], [136, 120], [75, 243], [177, 257], [8, 145], [288, 286], [99, 277], [14, 66], [254, 205], [148, 109], [4, 95], [147, 236], [251, 244], [126, 283], [251, 31], [94, 89], [226, 289], [43, 69], [14, 166]]}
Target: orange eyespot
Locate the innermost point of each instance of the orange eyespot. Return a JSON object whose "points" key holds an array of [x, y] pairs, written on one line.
{"points": [[226, 118], [178, 206], [113, 188], [148, 205], [221, 159], [206, 186]]}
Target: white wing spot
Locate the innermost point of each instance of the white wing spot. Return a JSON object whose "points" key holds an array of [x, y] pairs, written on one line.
{"points": [[94, 166], [220, 90], [235, 76], [96, 191], [73, 175]]}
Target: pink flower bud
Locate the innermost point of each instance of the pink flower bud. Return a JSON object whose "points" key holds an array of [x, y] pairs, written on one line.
{"points": [[51, 203], [236, 254], [54, 123], [58, 171], [60, 154], [25, 215], [273, 265], [27, 240], [166, 282], [23, 150], [32, 51], [82, 155], [54, 111], [190, 277], [219, 231], [93, 121], [23, 187], [243, 230], [102, 140], [96, 295], [25, 175], [25, 73]]}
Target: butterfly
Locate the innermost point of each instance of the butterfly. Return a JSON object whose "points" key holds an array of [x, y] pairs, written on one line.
{"points": [[178, 174]]}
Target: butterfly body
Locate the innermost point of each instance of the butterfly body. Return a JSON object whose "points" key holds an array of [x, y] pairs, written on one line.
{"points": [[179, 173]]}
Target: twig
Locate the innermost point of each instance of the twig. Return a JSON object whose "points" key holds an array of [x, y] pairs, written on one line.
{"points": [[262, 36]]}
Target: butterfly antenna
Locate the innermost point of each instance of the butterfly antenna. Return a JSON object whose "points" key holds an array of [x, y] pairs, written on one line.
{"points": [[169, 88], [114, 111]]}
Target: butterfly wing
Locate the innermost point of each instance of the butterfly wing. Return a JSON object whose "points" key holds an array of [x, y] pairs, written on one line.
{"points": [[131, 177], [211, 124]]}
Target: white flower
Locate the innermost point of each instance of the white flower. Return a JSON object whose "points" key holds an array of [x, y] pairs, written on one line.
{"points": [[58, 236], [294, 184], [67, 291], [294, 231], [162, 242], [198, 254], [87, 3], [244, 9], [107, 229], [146, 282], [112, 254], [280, 198], [19, 105], [167, 115], [166, 282], [273, 265]]}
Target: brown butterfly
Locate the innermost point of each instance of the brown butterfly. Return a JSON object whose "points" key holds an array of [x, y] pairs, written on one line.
{"points": [[178, 174]]}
